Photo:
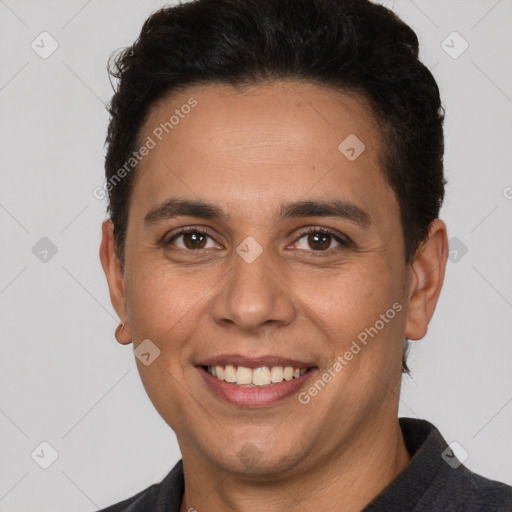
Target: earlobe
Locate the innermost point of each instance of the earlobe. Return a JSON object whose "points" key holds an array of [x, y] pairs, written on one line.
{"points": [[122, 335], [427, 275], [114, 274]]}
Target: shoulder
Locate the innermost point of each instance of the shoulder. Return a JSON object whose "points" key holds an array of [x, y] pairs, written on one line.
{"points": [[435, 479], [488, 495], [162, 497], [140, 502], [466, 490]]}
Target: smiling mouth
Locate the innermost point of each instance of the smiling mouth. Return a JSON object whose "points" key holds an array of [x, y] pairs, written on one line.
{"points": [[255, 377]]}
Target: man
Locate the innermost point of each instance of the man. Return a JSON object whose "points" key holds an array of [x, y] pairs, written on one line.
{"points": [[275, 175]]}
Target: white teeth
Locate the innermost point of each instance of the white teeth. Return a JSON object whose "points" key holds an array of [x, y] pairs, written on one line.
{"points": [[243, 375], [288, 373], [219, 372], [276, 374], [230, 373], [262, 376]]}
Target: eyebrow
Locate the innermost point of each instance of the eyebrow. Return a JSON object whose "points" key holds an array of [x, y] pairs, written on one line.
{"points": [[175, 207], [336, 208]]}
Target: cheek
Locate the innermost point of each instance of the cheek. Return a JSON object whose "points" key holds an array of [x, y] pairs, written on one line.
{"points": [[364, 313], [165, 304], [350, 298], [164, 307]]}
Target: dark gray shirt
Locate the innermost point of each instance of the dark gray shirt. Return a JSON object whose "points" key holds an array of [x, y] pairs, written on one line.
{"points": [[433, 481]]}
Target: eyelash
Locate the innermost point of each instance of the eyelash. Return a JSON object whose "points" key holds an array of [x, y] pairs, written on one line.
{"points": [[344, 243]]}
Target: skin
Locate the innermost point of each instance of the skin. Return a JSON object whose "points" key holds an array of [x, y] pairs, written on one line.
{"points": [[249, 150]]}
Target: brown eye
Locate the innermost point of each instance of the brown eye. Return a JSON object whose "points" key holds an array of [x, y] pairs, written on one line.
{"points": [[191, 240], [321, 240], [194, 240]]}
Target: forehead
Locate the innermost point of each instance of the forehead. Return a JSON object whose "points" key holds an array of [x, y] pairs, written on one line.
{"points": [[279, 113], [283, 138]]}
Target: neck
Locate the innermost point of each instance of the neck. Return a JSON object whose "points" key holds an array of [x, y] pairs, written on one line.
{"points": [[354, 477]]}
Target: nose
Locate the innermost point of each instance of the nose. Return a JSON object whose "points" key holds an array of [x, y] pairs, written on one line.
{"points": [[254, 297]]}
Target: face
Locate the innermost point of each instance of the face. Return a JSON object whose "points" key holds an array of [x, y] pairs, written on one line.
{"points": [[295, 259]]}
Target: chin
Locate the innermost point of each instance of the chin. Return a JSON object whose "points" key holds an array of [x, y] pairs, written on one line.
{"points": [[258, 458]]}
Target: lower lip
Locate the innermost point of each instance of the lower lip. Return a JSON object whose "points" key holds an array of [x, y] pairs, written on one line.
{"points": [[254, 396]]}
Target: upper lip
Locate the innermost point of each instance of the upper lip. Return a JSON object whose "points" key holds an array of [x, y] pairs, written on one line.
{"points": [[253, 362]]}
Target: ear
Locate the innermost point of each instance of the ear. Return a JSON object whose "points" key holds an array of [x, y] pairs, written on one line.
{"points": [[426, 280], [114, 274]]}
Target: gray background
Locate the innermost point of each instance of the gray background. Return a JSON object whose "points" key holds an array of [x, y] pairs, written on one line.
{"points": [[66, 381]]}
